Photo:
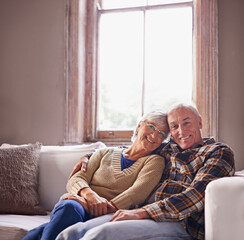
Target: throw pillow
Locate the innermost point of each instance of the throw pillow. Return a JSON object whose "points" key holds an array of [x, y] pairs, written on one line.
{"points": [[19, 179]]}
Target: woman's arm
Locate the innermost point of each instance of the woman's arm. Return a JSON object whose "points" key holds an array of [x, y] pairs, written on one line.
{"points": [[97, 205], [82, 179], [79, 183], [110, 208]]}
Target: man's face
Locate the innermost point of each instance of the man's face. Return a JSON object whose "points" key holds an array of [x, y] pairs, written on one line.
{"points": [[185, 127]]}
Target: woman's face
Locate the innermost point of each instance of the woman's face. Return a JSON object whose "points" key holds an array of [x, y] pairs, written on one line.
{"points": [[149, 135]]}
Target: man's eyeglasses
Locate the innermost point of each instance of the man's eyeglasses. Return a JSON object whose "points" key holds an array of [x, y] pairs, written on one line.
{"points": [[153, 129]]}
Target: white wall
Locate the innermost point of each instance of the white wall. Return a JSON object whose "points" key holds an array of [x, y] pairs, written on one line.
{"points": [[32, 85]]}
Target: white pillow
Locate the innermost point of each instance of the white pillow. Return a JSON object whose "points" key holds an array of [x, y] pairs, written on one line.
{"points": [[56, 164]]}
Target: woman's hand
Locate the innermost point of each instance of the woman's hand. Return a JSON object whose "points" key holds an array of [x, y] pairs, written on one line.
{"points": [[97, 205], [111, 208], [134, 214], [81, 165], [77, 198]]}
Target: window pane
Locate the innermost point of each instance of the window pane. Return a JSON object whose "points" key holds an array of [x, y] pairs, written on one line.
{"points": [[159, 2], [120, 69], [113, 4], [168, 57]]}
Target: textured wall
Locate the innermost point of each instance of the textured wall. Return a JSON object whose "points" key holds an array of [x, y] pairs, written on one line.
{"points": [[32, 86], [231, 76]]}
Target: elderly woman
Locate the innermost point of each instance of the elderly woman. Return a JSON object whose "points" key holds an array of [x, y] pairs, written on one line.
{"points": [[116, 178]]}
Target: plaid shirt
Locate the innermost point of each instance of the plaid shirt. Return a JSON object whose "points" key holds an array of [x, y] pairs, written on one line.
{"points": [[180, 195]]}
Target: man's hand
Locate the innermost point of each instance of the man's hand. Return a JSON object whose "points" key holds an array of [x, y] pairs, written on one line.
{"points": [[97, 205], [77, 198], [134, 214], [81, 165]]}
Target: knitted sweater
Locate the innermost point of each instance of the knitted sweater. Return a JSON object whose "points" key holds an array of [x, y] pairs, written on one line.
{"points": [[125, 188]]}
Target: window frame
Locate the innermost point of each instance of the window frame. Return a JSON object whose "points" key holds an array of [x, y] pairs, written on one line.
{"points": [[80, 76]]}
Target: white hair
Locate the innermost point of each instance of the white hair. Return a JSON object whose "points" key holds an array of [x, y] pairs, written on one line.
{"points": [[157, 117], [191, 107]]}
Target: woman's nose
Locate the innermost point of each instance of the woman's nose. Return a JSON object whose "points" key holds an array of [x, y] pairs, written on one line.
{"points": [[155, 133]]}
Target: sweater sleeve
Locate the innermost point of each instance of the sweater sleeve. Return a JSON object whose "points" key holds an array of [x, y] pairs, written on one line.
{"points": [[147, 179], [81, 179]]}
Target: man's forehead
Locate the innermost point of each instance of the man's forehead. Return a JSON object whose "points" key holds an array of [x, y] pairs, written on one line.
{"points": [[180, 115]]}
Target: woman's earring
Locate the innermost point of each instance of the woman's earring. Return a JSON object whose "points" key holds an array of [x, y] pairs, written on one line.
{"points": [[136, 132]]}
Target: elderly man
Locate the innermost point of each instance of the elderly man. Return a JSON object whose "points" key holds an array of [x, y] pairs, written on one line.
{"points": [[175, 209]]}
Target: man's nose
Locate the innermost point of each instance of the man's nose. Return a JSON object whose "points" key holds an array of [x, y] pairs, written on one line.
{"points": [[181, 129]]}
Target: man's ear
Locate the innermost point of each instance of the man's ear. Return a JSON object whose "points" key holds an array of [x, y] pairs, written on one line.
{"points": [[200, 122]]}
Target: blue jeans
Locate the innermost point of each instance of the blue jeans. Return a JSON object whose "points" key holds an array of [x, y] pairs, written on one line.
{"points": [[64, 214], [100, 229]]}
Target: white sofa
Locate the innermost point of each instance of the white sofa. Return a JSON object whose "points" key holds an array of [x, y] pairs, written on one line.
{"points": [[55, 165], [224, 206]]}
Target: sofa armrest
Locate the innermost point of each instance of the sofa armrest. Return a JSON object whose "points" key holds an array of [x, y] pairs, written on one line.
{"points": [[224, 209]]}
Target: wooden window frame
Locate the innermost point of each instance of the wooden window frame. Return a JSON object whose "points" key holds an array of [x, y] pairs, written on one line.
{"points": [[80, 76]]}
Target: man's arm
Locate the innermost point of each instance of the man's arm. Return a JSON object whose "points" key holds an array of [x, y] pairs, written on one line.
{"points": [[181, 205], [134, 214], [81, 165]]}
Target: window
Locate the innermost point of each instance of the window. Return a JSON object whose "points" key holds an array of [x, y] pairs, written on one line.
{"points": [[179, 34]]}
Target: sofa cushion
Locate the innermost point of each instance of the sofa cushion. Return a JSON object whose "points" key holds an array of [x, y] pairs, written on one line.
{"points": [[239, 173], [19, 179], [15, 227], [56, 164], [224, 208]]}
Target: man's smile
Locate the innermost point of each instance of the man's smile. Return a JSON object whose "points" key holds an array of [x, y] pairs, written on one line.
{"points": [[185, 138]]}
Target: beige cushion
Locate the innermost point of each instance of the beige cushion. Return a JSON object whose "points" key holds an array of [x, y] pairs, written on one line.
{"points": [[19, 179]]}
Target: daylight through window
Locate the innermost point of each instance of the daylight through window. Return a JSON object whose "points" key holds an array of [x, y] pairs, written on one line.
{"points": [[124, 58], [144, 59]]}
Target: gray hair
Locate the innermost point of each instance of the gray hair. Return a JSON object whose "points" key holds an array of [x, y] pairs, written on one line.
{"points": [[157, 117], [191, 107]]}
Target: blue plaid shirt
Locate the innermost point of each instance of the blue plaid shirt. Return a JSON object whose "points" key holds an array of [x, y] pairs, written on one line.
{"points": [[180, 194]]}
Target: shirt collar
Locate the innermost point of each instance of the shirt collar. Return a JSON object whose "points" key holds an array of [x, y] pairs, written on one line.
{"points": [[175, 148]]}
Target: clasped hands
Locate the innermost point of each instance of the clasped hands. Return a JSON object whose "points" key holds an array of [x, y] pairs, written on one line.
{"points": [[92, 202], [97, 206]]}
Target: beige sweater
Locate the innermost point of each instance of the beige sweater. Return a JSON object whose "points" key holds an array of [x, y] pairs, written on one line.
{"points": [[124, 188]]}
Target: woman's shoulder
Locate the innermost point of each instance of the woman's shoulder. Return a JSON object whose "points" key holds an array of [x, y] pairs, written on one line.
{"points": [[110, 149], [153, 162], [155, 158]]}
